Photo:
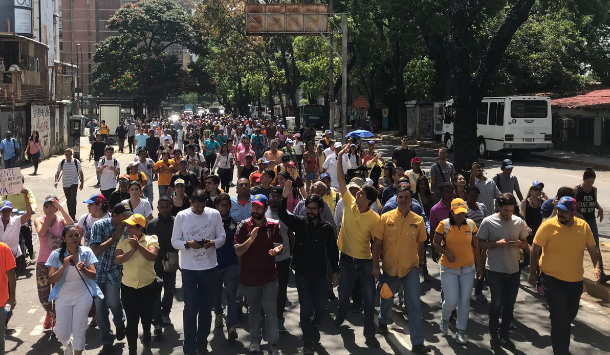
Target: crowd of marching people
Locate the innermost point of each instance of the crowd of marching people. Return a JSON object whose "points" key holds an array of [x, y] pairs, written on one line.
{"points": [[333, 213]]}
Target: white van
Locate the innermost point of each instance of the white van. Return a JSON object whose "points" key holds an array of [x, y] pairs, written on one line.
{"points": [[520, 124]]}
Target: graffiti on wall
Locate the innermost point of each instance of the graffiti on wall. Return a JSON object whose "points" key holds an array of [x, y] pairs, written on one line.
{"points": [[14, 121], [41, 122]]}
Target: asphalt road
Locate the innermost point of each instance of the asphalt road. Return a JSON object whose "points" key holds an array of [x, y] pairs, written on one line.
{"points": [[532, 327]]}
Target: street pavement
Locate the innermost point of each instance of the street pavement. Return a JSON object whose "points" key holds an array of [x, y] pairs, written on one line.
{"points": [[532, 326]]}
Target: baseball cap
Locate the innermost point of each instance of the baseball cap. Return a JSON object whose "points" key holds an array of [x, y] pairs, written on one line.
{"points": [[352, 145], [249, 156], [136, 219], [567, 203], [285, 158], [96, 198], [458, 206], [372, 142], [384, 290], [320, 146], [537, 183], [260, 200], [328, 131], [291, 163], [133, 163], [179, 181], [507, 164], [6, 205], [416, 160], [338, 144], [356, 182], [288, 141], [122, 208], [256, 177], [124, 178], [263, 161], [324, 176]]}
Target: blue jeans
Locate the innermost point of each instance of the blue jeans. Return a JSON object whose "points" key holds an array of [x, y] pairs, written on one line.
{"points": [[312, 300], [198, 289], [262, 298], [111, 300], [412, 288], [148, 192], [457, 287], [350, 270], [229, 278], [163, 190]]}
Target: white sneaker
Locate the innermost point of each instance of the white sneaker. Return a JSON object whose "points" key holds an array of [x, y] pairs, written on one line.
{"points": [[461, 337], [68, 350]]}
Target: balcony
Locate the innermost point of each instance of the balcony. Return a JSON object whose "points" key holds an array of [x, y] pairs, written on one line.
{"points": [[10, 86]]}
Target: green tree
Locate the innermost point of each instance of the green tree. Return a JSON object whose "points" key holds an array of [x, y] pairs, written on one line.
{"points": [[136, 61]]}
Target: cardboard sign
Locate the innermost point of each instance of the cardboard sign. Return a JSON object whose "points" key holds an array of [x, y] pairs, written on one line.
{"points": [[11, 181]]}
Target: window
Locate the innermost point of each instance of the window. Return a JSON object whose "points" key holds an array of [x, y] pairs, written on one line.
{"points": [[500, 116], [482, 113], [529, 109], [493, 107]]}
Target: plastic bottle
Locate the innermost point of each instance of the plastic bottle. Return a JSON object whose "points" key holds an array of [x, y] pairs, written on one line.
{"points": [[7, 309]]}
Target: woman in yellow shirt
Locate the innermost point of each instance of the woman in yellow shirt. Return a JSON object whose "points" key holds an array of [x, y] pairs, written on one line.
{"points": [[137, 254], [457, 243]]}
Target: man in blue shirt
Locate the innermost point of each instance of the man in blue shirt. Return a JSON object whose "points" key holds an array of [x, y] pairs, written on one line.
{"points": [[105, 235], [210, 147], [9, 147], [240, 204]]}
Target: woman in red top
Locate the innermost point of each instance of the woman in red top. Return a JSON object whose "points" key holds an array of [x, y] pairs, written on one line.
{"points": [[35, 150]]}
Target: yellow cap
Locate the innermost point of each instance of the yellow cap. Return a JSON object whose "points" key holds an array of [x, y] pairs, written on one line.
{"points": [[136, 219], [385, 292], [458, 206]]}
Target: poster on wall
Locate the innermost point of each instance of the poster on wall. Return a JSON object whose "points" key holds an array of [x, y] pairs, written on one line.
{"points": [[14, 121], [23, 21], [41, 122]]}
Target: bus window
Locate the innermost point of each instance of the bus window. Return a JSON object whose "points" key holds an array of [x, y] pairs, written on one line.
{"points": [[493, 106], [500, 116], [528, 109], [482, 113]]}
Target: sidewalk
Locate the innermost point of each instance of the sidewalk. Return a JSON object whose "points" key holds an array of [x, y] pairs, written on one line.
{"points": [[566, 157]]}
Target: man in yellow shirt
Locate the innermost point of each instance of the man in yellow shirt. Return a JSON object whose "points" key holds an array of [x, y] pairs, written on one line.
{"points": [[355, 246], [562, 240], [165, 169], [104, 130], [401, 235]]}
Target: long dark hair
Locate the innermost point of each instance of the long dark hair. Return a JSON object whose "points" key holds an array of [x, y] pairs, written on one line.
{"points": [[427, 192], [295, 191], [37, 136], [64, 247]]}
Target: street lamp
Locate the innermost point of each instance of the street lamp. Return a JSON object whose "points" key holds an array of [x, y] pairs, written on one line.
{"points": [[77, 81]]}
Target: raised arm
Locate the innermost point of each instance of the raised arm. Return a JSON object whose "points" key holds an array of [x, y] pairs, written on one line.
{"points": [[340, 174]]}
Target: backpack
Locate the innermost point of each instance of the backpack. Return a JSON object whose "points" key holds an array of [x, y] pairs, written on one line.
{"points": [[75, 163], [447, 226], [496, 179], [113, 160]]}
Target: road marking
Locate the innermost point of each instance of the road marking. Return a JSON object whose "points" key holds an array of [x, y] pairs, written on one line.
{"points": [[31, 311], [43, 318], [399, 337], [37, 330]]}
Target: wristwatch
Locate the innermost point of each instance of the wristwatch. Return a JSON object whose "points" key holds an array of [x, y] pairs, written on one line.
{"points": [[186, 245]]}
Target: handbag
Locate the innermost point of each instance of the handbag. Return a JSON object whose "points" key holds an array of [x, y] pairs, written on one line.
{"points": [[170, 261], [92, 309]]}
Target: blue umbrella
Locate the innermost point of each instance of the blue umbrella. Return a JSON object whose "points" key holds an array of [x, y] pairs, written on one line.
{"points": [[360, 134]]}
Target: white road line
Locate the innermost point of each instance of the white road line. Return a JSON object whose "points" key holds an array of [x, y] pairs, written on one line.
{"points": [[31, 311], [37, 330], [42, 319]]}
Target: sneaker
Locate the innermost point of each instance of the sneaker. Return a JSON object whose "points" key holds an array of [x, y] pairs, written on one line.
{"points": [[218, 321], [308, 348], [255, 347], [273, 350], [461, 337], [68, 350], [445, 327], [421, 349], [120, 333], [32, 256], [383, 329], [372, 342], [158, 330], [166, 320], [540, 290], [232, 333], [48, 321], [280, 326], [506, 343], [480, 298]]}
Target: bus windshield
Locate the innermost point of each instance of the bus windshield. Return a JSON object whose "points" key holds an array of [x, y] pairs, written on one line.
{"points": [[529, 109]]}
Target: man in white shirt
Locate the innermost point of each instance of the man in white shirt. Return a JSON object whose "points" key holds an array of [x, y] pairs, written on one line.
{"points": [[488, 188], [11, 225], [180, 137], [198, 232], [72, 170], [330, 164], [108, 168]]}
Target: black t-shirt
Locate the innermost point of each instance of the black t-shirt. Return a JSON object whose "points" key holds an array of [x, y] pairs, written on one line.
{"points": [[98, 149], [116, 197], [403, 157], [190, 182], [121, 132], [245, 172], [152, 144], [185, 204]]}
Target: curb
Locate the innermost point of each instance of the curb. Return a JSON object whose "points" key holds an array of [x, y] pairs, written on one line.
{"points": [[596, 290], [393, 140], [584, 164]]}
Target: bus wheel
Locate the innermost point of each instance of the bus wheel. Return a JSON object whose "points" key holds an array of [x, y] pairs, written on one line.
{"points": [[449, 143], [482, 148]]}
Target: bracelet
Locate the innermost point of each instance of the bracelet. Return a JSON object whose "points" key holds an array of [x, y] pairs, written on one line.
{"points": [[249, 240]]}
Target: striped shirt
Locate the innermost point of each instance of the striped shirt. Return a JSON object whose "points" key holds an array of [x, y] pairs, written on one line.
{"points": [[69, 171]]}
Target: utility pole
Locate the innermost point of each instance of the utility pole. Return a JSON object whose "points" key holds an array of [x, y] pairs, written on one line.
{"points": [[78, 109], [331, 76], [344, 75]]}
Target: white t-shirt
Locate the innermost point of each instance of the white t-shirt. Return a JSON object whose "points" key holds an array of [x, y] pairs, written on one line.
{"points": [[298, 148], [10, 236], [143, 208], [330, 164], [190, 226], [328, 152], [86, 227], [169, 138], [108, 178]]}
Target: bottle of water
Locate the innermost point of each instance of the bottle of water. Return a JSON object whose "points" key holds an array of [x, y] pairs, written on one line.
{"points": [[7, 309]]}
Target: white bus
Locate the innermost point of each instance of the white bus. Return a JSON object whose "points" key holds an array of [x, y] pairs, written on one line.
{"points": [[520, 124]]}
